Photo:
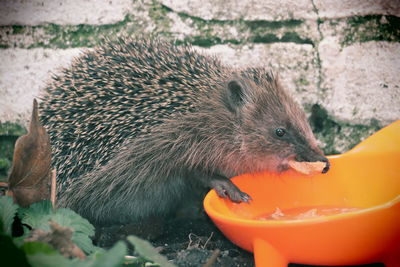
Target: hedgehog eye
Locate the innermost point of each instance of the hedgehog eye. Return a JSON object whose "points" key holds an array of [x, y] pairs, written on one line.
{"points": [[280, 132]]}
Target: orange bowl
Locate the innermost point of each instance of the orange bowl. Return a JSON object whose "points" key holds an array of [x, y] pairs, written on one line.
{"points": [[367, 178]]}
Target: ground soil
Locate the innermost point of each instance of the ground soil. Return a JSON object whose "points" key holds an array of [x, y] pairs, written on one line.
{"points": [[187, 242]]}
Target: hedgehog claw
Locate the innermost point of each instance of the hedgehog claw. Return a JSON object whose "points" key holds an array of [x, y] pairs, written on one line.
{"points": [[221, 192], [226, 189], [246, 198]]}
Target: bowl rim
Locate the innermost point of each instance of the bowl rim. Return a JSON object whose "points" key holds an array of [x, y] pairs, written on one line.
{"points": [[277, 223]]}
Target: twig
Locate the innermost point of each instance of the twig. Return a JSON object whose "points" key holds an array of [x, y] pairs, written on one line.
{"points": [[53, 188], [197, 242], [190, 246], [208, 239], [210, 262]]}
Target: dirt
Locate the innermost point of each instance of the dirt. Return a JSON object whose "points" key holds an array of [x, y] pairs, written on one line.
{"points": [[187, 242]]}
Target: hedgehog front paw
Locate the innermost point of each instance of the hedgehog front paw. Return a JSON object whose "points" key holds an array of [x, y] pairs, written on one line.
{"points": [[226, 189]]}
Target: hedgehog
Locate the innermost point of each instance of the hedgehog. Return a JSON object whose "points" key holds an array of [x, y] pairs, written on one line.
{"points": [[137, 126]]}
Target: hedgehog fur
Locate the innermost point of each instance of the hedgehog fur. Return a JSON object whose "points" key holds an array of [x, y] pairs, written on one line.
{"points": [[137, 125]]}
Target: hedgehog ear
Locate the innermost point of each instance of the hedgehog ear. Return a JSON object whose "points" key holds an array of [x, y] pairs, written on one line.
{"points": [[236, 96]]}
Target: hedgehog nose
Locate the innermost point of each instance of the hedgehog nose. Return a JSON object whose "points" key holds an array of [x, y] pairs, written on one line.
{"points": [[327, 165]]}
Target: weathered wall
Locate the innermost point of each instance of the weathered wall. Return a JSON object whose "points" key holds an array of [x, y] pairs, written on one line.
{"points": [[341, 59]]}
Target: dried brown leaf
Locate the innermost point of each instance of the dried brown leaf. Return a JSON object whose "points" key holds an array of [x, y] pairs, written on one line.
{"points": [[30, 176]]}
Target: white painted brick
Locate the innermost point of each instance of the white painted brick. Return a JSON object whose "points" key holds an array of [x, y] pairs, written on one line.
{"points": [[244, 9], [292, 62], [63, 12], [282, 10], [362, 80], [23, 74], [346, 8]]}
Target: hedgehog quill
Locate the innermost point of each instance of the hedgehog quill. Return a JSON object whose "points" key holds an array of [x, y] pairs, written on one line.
{"points": [[135, 126]]}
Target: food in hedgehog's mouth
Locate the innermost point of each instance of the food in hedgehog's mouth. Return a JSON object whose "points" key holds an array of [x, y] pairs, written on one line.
{"points": [[307, 167]]}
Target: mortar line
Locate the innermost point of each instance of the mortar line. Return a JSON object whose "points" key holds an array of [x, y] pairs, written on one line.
{"points": [[321, 37]]}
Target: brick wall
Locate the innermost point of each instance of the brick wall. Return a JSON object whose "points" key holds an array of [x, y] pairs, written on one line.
{"points": [[341, 59]]}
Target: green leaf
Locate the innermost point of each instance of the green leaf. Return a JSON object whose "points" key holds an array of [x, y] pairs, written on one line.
{"points": [[111, 258], [20, 240], [37, 215], [146, 250], [37, 247], [7, 213], [83, 242], [51, 260], [69, 218], [97, 252], [39, 254], [82, 228], [10, 253]]}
